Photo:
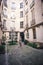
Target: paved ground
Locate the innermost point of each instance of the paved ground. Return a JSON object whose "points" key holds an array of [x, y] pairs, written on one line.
{"points": [[25, 56], [22, 56], [2, 59]]}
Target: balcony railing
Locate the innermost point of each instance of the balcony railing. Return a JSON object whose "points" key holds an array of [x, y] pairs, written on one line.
{"points": [[26, 2], [32, 4], [33, 22]]}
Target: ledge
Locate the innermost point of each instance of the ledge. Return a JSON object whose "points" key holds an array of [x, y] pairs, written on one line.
{"points": [[33, 26], [36, 41]]}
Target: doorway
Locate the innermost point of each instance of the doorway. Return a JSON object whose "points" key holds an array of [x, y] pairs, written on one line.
{"points": [[22, 36]]}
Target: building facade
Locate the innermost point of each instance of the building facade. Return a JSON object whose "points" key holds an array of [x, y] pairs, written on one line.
{"points": [[34, 20], [13, 19], [24, 18], [0, 21]]}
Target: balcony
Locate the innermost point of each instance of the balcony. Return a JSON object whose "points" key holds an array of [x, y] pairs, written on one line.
{"points": [[32, 4], [4, 28], [5, 3], [26, 2], [33, 22]]}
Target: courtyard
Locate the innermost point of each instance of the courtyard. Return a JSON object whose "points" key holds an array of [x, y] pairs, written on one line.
{"points": [[24, 55], [21, 22]]}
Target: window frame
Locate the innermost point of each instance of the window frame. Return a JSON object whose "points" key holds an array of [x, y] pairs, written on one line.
{"points": [[21, 24], [21, 14], [21, 5]]}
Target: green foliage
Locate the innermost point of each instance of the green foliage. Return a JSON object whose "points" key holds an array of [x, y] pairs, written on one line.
{"points": [[34, 45], [12, 43], [25, 42], [2, 49], [3, 40]]}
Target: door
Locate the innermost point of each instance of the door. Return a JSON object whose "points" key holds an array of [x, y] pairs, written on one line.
{"points": [[22, 36]]}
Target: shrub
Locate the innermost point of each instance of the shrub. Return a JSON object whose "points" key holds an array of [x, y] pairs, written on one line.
{"points": [[12, 42], [3, 43], [3, 40], [34, 45], [25, 42], [2, 49]]}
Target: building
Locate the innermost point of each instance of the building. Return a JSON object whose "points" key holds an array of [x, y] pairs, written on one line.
{"points": [[0, 21], [23, 18], [13, 19], [34, 20]]}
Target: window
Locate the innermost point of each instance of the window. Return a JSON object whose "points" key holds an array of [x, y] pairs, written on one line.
{"points": [[27, 18], [26, 11], [21, 14], [26, 21], [5, 2], [42, 6], [21, 5], [0, 18], [4, 23], [27, 34], [34, 33], [33, 13], [13, 5], [41, 0], [5, 13], [21, 24], [33, 17], [0, 2], [26, 2]]}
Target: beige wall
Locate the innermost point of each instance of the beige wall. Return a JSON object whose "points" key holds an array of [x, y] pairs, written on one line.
{"points": [[38, 19], [16, 13], [0, 21], [0, 33]]}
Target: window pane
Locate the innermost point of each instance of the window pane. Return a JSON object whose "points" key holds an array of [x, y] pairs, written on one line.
{"points": [[4, 23], [27, 34], [21, 5], [5, 13], [21, 14], [13, 5], [5, 2], [21, 24]]}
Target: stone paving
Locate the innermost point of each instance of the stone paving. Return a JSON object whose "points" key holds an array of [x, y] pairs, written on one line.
{"points": [[2, 59], [25, 56]]}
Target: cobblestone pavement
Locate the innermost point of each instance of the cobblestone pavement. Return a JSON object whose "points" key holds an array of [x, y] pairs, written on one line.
{"points": [[2, 59], [25, 55]]}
